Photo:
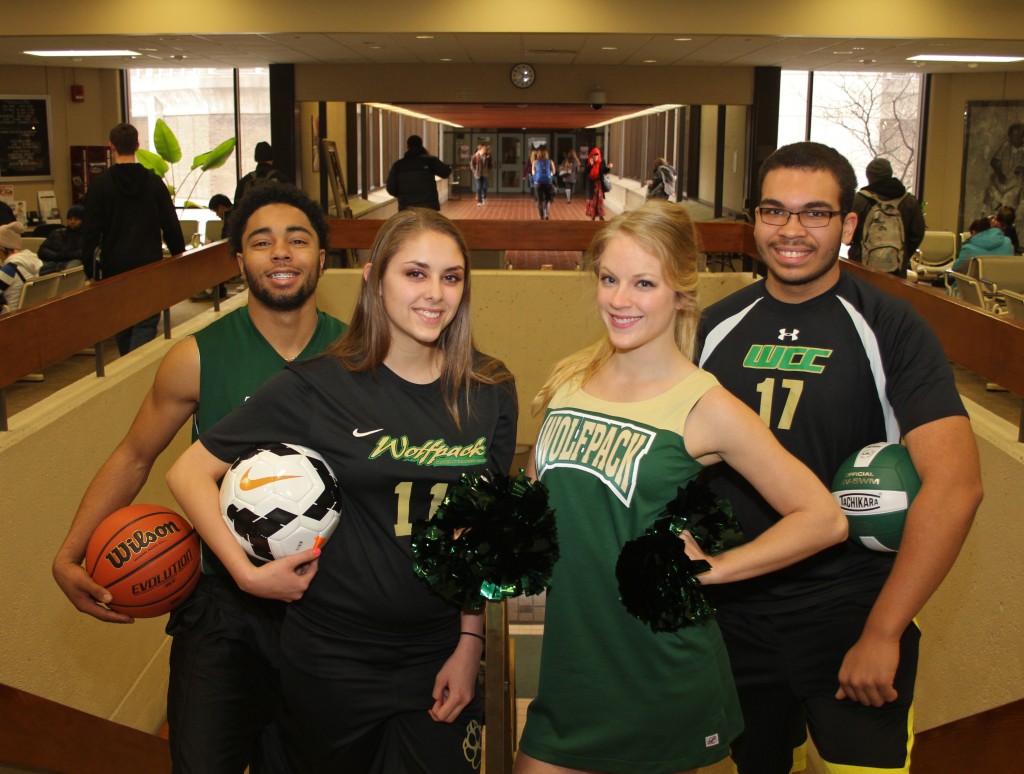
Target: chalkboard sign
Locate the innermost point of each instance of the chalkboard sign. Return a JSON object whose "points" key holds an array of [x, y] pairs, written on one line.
{"points": [[25, 138]]}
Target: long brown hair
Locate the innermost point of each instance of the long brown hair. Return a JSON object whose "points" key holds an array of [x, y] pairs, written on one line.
{"points": [[667, 232], [367, 341]]}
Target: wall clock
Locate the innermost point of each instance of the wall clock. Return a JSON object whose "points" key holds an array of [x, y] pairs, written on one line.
{"points": [[522, 76]]}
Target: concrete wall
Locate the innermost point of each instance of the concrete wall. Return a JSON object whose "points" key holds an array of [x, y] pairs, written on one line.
{"points": [[973, 656]]}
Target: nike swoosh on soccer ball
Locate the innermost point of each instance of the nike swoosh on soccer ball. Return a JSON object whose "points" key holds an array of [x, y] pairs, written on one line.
{"points": [[247, 484]]}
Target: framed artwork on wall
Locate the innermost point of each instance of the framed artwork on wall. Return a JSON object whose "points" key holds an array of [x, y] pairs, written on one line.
{"points": [[993, 166]]}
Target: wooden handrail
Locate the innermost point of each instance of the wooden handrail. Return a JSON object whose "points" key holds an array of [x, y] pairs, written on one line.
{"points": [[573, 235], [42, 735], [53, 330]]}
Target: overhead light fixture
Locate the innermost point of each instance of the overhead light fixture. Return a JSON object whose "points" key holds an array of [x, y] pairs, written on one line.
{"points": [[682, 40], [92, 52], [609, 48], [411, 113], [650, 61], [647, 112], [424, 37], [964, 58]]}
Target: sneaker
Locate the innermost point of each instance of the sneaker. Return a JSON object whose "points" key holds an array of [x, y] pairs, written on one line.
{"points": [[479, 204]]}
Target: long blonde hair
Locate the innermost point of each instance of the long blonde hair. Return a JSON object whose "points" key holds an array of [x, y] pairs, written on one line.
{"points": [[667, 232], [366, 343]]}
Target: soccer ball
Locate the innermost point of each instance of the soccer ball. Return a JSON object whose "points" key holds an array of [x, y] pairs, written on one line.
{"points": [[279, 499], [874, 487]]}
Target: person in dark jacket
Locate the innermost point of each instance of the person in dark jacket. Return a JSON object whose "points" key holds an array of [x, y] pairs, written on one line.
{"points": [[63, 247], [264, 174], [411, 179], [883, 185], [127, 209]]}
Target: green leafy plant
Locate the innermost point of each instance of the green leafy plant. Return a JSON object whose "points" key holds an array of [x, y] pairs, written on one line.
{"points": [[168, 152]]}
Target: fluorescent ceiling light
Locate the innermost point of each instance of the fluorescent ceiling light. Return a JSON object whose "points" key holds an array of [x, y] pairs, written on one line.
{"points": [[648, 112], [93, 52], [411, 113], [963, 58]]}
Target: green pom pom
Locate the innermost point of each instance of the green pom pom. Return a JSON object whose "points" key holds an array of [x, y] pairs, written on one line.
{"points": [[488, 540]]}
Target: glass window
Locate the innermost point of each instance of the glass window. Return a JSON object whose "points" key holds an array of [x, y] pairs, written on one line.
{"points": [[862, 115], [198, 104]]}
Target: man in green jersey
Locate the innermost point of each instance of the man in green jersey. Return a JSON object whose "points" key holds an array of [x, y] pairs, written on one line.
{"points": [[223, 696]]}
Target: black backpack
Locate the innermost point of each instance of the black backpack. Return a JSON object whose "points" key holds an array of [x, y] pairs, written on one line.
{"points": [[256, 180]]}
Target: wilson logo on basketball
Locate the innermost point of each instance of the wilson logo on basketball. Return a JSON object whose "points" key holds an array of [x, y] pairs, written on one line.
{"points": [[247, 484], [139, 540]]}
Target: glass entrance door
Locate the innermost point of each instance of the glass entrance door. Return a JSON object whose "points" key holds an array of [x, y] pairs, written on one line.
{"points": [[509, 162]]}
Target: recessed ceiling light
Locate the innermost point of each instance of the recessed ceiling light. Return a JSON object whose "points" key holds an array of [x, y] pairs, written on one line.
{"points": [[424, 37], [682, 40], [609, 48], [963, 58], [94, 52], [650, 61], [445, 59]]}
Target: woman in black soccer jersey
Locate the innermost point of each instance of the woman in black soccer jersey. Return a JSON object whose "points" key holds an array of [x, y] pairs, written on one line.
{"points": [[378, 672]]}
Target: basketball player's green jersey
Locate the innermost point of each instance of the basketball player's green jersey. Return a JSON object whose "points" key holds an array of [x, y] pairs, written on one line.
{"points": [[234, 361], [615, 696]]}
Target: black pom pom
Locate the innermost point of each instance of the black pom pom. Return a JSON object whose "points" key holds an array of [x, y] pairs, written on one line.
{"points": [[708, 518], [489, 539], [657, 580]]}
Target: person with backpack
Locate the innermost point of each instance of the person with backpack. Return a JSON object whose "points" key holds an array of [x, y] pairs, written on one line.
{"points": [[662, 184], [890, 222], [543, 172], [264, 174]]}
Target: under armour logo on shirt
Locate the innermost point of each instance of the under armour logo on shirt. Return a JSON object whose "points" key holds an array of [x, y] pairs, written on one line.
{"points": [[791, 335]]}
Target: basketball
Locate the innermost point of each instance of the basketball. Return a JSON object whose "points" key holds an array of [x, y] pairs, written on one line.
{"points": [[147, 557], [279, 499], [875, 487]]}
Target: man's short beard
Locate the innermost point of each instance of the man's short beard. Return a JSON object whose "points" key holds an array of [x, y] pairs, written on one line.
{"points": [[281, 302]]}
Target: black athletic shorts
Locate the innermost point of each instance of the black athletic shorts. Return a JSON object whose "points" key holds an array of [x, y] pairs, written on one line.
{"points": [[786, 668], [224, 700], [369, 715]]}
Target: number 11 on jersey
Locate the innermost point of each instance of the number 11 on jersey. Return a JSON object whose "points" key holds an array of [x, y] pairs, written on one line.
{"points": [[403, 525]]}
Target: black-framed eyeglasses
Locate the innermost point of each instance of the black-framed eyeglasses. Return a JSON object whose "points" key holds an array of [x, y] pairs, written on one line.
{"points": [[774, 216]]}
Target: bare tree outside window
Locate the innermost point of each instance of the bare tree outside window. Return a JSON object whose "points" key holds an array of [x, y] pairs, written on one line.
{"points": [[865, 115]]}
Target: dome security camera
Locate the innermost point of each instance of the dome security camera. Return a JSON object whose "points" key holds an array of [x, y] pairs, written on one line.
{"points": [[597, 98]]}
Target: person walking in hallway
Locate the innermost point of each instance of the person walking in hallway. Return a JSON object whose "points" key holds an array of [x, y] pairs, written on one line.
{"points": [[480, 165], [412, 178]]}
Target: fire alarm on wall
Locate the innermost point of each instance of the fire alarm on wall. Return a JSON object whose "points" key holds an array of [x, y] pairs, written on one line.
{"points": [[77, 92]]}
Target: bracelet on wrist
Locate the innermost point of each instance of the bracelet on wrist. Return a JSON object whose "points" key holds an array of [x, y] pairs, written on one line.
{"points": [[473, 634]]}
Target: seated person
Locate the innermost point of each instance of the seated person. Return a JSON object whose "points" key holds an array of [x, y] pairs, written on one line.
{"points": [[220, 204], [19, 265], [985, 239], [63, 247], [1004, 218]]}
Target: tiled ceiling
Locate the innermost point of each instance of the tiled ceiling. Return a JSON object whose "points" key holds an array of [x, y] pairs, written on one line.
{"points": [[630, 50]]}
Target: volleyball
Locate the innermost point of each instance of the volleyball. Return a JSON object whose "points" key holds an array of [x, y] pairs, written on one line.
{"points": [[279, 499], [147, 557], [875, 487]]}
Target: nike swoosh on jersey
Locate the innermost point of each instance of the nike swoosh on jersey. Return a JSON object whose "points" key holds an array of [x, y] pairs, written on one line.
{"points": [[363, 433], [248, 484]]}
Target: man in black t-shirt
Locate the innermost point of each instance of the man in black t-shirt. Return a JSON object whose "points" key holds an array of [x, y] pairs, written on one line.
{"points": [[832, 364]]}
